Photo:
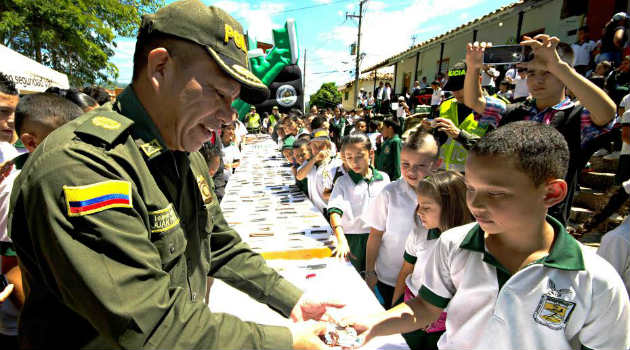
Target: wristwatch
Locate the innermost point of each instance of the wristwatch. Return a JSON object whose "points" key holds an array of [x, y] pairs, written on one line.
{"points": [[369, 273]]}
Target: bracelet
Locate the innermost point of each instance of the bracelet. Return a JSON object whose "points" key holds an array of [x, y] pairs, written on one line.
{"points": [[368, 273]]}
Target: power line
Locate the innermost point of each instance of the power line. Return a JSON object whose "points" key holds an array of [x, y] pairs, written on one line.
{"points": [[309, 7]]}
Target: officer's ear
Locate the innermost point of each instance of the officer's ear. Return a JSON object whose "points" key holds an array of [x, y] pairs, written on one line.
{"points": [[159, 62]]}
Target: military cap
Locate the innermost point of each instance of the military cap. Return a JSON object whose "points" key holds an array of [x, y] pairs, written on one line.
{"points": [[217, 32]]}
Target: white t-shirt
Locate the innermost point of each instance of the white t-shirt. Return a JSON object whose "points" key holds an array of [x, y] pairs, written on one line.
{"points": [[615, 248], [230, 155], [511, 74], [571, 298], [373, 136], [393, 212], [520, 87], [436, 97], [625, 122], [351, 197], [418, 248], [321, 178], [400, 112], [582, 53]]}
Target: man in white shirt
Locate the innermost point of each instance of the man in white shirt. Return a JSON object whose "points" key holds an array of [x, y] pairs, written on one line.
{"points": [[436, 98], [582, 51], [521, 91], [488, 75]]}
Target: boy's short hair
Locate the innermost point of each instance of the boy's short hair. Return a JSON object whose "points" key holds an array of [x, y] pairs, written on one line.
{"points": [[538, 150], [98, 93], [317, 122], [393, 123], [210, 151], [299, 143], [44, 108], [420, 139], [7, 86]]}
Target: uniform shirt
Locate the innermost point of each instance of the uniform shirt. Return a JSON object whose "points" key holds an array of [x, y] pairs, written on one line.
{"points": [[572, 297], [351, 199], [116, 237], [615, 248], [321, 178], [388, 157], [418, 248], [582, 52], [520, 87], [436, 97], [393, 213], [231, 154]]}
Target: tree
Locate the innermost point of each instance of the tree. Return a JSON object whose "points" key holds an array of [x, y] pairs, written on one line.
{"points": [[326, 96], [75, 37]]}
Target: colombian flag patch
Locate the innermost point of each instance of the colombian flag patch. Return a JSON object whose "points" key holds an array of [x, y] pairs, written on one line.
{"points": [[90, 199]]}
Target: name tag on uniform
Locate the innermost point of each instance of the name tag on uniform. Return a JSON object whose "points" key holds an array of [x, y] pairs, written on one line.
{"points": [[163, 219]]}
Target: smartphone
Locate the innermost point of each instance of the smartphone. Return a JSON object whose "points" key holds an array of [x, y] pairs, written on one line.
{"points": [[507, 54]]}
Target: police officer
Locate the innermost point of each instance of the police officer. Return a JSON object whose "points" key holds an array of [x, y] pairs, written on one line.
{"points": [[252, 120], [114, 219]]}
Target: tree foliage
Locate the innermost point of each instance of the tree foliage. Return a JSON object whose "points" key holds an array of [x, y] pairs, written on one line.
{"points": [[326, 96], [75, 37]]}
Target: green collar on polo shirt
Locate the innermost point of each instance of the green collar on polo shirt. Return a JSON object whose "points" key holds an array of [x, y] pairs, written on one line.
{"points": [[356, 178], [565, 253], [433, 233]]}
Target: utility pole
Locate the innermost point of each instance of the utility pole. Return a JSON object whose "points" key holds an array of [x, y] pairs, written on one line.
{"points": [[356, 70], [304, 84]]}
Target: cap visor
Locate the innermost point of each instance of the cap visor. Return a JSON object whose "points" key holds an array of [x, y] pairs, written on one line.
{"points": [[454, 84], [253, 91]]}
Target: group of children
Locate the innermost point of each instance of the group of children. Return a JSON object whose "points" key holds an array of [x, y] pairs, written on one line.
{"points": [[484, 247]]}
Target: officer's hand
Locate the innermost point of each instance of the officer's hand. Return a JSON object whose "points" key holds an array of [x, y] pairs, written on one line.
{"points": [[4, 294], [306, 335], [545, 55], [427, 124], [311, 307], [474, 54], [447, 126]]}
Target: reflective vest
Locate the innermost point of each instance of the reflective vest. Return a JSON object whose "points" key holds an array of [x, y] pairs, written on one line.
{"points": [[452, 154], [253, 120], [272, 119]]}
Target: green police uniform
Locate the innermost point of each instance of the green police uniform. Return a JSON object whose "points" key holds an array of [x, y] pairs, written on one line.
{"points": [[388, 157], [116, 236]]}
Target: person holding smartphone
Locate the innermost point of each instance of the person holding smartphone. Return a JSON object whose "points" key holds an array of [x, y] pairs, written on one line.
{"points": [[548, 73]]}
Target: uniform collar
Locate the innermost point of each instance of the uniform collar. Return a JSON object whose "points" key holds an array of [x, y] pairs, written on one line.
{"points": [[356, 178], [20, 160], [565, 253], [129, 105], [433, 233]]}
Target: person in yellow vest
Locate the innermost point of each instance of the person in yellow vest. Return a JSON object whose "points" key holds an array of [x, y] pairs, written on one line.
{"points": [[456, 125], [252, 121]]}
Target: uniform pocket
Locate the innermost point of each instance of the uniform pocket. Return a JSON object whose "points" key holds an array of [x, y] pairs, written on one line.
{"points": [[170, 244]]}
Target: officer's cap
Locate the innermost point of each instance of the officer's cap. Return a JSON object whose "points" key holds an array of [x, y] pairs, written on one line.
{"points": [[215, 30], [456, 77]]}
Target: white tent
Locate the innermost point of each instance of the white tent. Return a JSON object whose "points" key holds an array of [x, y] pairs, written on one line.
{"points": [[29, 75]]}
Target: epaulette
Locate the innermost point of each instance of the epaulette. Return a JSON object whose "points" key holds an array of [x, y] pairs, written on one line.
{"points": [[105, 125]]}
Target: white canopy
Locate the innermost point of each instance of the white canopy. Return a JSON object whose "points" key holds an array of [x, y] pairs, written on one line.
{"points": [[29, 75]]}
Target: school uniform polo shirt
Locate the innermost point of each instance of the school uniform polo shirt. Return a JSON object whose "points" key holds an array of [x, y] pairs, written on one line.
{"points": [[393, 212], [351, 198], [418, 248], [320, 178], [615, 248], [572, 298]]}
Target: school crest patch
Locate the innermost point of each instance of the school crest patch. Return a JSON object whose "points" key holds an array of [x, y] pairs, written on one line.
{"points": [[206, 193], [553, 310], [386, 150]]}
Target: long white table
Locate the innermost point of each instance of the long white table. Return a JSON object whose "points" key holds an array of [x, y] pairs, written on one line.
{"points": [[261, 203]]}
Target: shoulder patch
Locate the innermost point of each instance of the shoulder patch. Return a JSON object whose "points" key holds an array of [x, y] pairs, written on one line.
{"points": [[151, 148], [90, 199], [106, 126]]}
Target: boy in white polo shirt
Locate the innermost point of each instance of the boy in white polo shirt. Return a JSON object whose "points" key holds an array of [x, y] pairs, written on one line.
{"points": [[515, 279]]}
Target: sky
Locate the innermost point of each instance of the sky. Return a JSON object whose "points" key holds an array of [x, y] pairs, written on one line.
{"points": [[324, 32]]}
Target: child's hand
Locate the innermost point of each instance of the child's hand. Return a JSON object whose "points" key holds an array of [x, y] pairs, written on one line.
{"points": [[322, 155], [545, 55], [362, 324], [342, 251], [474, 54]]}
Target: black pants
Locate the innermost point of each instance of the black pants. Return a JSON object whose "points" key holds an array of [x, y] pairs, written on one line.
{"points": [[623, 170], [615, 202]]}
